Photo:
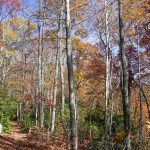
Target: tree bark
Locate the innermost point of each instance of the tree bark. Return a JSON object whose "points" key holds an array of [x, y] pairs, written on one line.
{"points": [[40, 74], [62, 63], [59, 46], [146, 100], [107, 81], [140, 93], [72, 104], [124, 78], [55, 87]]}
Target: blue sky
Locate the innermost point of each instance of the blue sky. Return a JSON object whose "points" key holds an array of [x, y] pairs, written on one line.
{"points": [[29, 3], [28, 7]]}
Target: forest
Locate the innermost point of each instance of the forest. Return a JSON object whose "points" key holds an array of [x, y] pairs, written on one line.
{"points": [[74, 74]]}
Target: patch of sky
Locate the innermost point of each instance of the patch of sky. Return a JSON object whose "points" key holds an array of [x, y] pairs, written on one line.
{"points": [[28, 8]]}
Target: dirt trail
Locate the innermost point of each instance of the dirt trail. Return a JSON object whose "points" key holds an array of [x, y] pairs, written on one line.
{"points": [[16, 132], [17, 140]]}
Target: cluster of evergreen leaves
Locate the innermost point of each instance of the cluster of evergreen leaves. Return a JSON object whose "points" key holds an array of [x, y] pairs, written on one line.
{"points": [[7, 109]]}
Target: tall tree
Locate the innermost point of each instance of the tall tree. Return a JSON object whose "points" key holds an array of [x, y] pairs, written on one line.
{"points": [[62, 68], [59, 47], [124, 78], [40, 73], [107, 79], [72, 104]]}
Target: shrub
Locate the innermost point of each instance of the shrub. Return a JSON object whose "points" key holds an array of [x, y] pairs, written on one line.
{"points": [[27, 123], [5, 120], [7, 109], [47, 119]]}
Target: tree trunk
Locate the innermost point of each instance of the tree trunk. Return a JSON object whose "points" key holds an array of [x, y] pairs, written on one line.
{"points": [[124, 78], [62, 63], [140, 93], [107, 81], [59, 46], [55, 89], [72, 104], [20, 113], [40, 74], [146, 100]]}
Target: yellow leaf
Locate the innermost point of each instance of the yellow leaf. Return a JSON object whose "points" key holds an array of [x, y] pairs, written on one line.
{"points": [[147, 125], [10, 52], [120, 136]]}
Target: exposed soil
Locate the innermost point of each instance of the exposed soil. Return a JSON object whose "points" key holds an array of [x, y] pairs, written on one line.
{"points": [[16, 132], [17, 140]]}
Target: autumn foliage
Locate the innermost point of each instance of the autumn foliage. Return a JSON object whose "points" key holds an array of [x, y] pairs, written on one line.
{"points": [[34, 73]]}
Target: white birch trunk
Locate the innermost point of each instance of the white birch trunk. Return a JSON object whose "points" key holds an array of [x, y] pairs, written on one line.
{"points": [[62, 67], [107, 80]]}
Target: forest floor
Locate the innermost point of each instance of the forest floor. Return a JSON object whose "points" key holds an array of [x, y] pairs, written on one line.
{"points": [[17, 140]]}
